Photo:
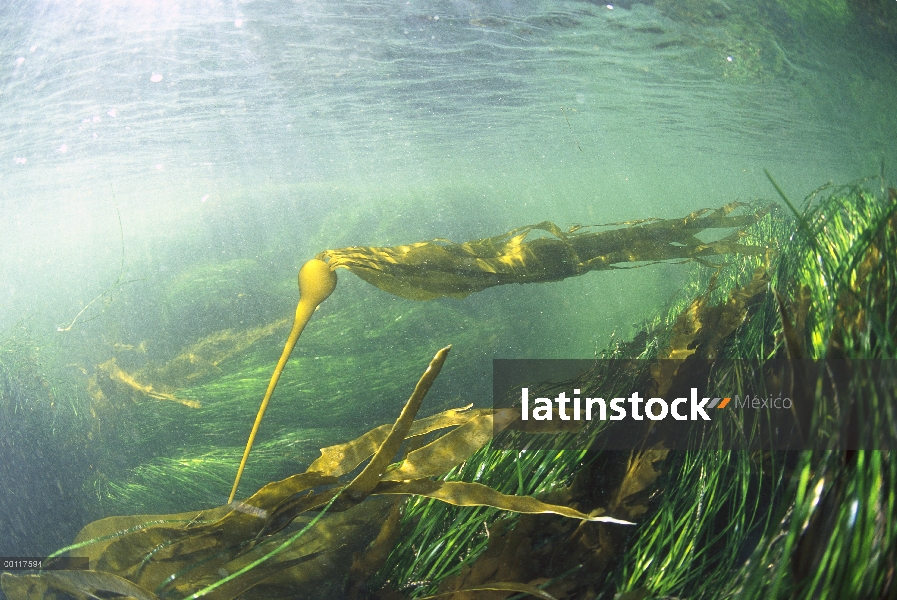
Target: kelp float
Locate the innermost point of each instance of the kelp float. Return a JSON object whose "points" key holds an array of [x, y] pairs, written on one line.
{"points": [[316, 283]]}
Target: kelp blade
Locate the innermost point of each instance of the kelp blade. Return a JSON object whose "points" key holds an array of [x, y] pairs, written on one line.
{"points": [[440, 268]]}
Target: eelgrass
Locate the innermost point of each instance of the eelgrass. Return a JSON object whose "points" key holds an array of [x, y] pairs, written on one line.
{"points": [[438, 538], [28, 397], [711, 509], [831, 531], [832, 525], [40, 507]]}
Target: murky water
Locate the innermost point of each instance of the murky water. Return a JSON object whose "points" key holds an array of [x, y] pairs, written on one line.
{"points": [[444, 119], [141, 142]]}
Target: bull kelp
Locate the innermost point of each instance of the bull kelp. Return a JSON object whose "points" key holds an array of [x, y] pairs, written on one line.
{"points": [[429, 270], [485, 520]]}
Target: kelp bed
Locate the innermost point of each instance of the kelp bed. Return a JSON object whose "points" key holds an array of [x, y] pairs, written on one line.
{"points": [[462, 517]]}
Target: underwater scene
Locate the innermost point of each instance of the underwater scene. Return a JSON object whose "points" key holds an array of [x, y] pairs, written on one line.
{"points": [[262, 262]]}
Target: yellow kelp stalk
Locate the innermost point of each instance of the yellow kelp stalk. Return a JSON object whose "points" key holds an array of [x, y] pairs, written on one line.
{"points": [[440, 268], [316, 282]]}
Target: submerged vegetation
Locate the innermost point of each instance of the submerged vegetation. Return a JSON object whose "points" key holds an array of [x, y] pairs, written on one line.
{"points": [[438, 507], [38, 416], [818, 523], [177, 555]]}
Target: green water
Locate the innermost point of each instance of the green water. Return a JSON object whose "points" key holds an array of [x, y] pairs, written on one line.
{"points": [[187, 159]]}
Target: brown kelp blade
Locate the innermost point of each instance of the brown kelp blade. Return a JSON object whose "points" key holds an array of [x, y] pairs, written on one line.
{"points": [[440, 268], [82, 585], [224, 552], [470, 430], [370, 476], [702, 328], [460, 493], [342, 458]]}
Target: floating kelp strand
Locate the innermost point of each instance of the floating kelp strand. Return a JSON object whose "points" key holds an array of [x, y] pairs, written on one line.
{"points": [[439, 268]]}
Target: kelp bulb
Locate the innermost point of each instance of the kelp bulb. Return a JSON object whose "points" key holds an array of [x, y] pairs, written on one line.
{"points": [[316, 282]]}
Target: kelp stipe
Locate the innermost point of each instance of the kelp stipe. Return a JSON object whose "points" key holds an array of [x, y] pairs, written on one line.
{"points": [[316, 282]]}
